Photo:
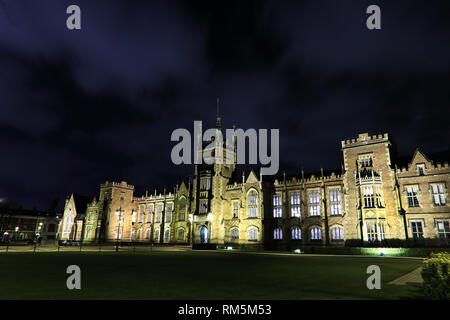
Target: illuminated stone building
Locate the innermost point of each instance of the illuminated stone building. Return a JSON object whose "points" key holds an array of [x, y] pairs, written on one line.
{"points": [[368, 202]]}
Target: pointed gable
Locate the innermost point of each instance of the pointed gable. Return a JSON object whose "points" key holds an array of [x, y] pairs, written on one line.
{"points": [[252, 178], [419, 157]]}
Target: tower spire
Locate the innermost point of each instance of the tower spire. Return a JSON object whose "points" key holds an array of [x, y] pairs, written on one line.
{"points": [[218, 122]]}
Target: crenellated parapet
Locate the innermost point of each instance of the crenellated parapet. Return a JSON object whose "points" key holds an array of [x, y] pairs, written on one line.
{"points": [[365, 139]]}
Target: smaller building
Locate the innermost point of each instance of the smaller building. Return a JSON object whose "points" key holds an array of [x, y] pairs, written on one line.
{"points": [[22, 225]]}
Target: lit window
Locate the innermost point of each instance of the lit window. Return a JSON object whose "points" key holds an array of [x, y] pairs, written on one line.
{"points": [[252, 234], [443, 228], [296, 233], [368, 197], [295, 204], [335, 202], [253, 204], [437, 191], [159, 209], [235, 234], [277, 234], [203, 206], [337, 233], [316, 233], [365, 161], [375, 231], [235, 209], [205, 183], [182, 209], [420, 169], [132, 234], [314, 204], [412, 196], [277, 205], [118, 233]]}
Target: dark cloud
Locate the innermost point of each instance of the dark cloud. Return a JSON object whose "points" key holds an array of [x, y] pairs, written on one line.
{"points": [[81, 107]]}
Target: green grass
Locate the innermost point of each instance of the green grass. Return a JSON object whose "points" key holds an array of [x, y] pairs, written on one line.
{"points": [[199, 275]]}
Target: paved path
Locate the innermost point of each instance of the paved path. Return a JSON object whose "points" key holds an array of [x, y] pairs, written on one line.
{"points": [[413, 278]]}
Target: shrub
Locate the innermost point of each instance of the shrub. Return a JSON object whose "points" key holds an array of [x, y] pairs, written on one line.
{"points": [[436, 280]]}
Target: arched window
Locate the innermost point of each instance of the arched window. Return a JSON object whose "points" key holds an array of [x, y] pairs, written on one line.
{"points": [[296, 233], [252, 234], [181, 234], [277, 234], [167, 235], [316, 233], [337, 233], [157, 235], [252, 204], [147, 234], [234, 234], [182, 209]]}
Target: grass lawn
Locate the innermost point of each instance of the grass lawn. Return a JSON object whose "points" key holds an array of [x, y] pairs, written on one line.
{"points": [[199, 275]]}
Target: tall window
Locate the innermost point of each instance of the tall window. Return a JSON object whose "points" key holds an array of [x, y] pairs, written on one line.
{"points": [[252, 204], [132, 234], [296, 233], [122, 195], [167, 235], [368, 197], [277, 234], [157, 235], [314, 204], [337, 233], [417, 230], [252, 234], [277, 205], [234, 234], [205, 183], [235, 209], [133, 216], [375, 231], [365, 161], [182, 209], [443, 228], [412, 196], [335, 202], [169, 210], [118, 233], [203, 206], [159, 209], [316, 233], [295, 204], [437, 191], [378, 196], [151, 209], [147, 234], [141, 215], [181, 234]]}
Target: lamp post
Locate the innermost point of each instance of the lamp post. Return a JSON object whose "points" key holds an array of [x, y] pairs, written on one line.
{"points": [[119, 218], [191, 231]]}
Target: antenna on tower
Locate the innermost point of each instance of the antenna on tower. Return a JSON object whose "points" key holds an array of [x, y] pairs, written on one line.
{"points": [[218, 122], [217, 113]]}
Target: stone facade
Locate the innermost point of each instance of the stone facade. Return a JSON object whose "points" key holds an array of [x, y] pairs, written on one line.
{"points": [[369, 202]]}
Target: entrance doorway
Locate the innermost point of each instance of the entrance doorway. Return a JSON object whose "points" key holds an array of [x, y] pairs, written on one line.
{"points": [[204, 235]]}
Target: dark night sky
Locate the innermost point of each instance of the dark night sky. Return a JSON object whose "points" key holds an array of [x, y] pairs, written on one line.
{"points": [[81, 107]]}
